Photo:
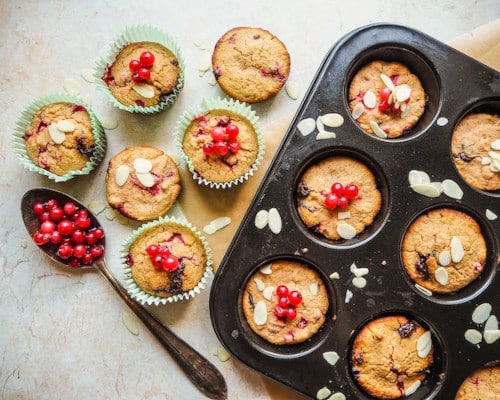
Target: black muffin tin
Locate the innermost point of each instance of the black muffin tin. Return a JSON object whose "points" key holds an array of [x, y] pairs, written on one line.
{"points": [[456, 85]]}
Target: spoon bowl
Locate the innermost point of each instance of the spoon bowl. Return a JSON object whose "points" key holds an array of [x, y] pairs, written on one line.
{"points": [[199, 370]]}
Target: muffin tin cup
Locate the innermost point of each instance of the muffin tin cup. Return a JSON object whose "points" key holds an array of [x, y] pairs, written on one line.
{"points": [[135, 290], [452, 92], [219, 104], [132, 34], [19, 145]]}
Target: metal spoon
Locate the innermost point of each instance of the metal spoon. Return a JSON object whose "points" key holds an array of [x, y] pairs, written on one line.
{"points": [[198, 369]]}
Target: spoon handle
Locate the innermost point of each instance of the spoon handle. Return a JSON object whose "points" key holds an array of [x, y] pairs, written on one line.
{"points": [[198, 369]]}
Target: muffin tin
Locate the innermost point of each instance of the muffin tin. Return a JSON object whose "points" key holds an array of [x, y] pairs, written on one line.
{"points": [[455, 85]]}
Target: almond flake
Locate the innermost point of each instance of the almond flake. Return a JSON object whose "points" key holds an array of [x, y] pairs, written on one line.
{"points": [[387, 81], [403, 107], [348, 296], [268, 292], [260, 313], [222, 354], [56, 135], [144, 90], [377, 130], [142, 165], [313, 288], [71, 86], [491, 323], [65, 125], [337, 396], [332, 120], [495, 155], [130, 323], [274, 221], [212, 81], [415, 177], [353, 268], [491, 215], [323, 393], [491, 336], [423, 290], [334, 275], [441, 275], [147, 179], [444, 258], [442, 121], [88, 74], [457, 251], [451, 189], [261, 219], [267, 269], [108, 122], [361, 272], [292, 89], [473, 336], [306, 126], [346, 231], [412, 388], [260, 284], [216, 225], [426, 189], [496, 145], [343, 215], [320, 126], [424, 344], [358, 110], [485, 160], [121, 175], [331, 357], [322, 135], [403, 92], [369, 99], [205, 62], [359, 282], [481, 313]]}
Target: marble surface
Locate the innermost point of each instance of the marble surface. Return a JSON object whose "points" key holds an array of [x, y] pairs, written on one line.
{"points": [[62, 334]]}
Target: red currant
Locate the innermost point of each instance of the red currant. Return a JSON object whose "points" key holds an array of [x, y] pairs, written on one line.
{"points": [[147, 59], [90, 238], [97, 251], [221, 148], [144, 73], [282, 291], [218, 134], [164, 251], [83, 222], [52, 203], [99, 233], [291, 312], [47, 227], [79, 250], [40, 239], [232, 131], [65, 251], [170, 263], [157, 261], [208, 149], [38, 208], [136, 78], [56, 237], [337, 188], [87, 258], [69, 208], [77, 236], [279, 311], [283, 302], [134, 65], [295, 297], [384, 94], [56, 214], [331, 201], [65, 227], [351, 191], [45, 216], [152, 250], [343, 202], [234, 146]]}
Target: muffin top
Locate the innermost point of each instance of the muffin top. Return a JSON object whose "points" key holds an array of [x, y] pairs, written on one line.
{"points": [[142, 182], [221, 145], [131, 86], [60, 137], [482, 384], [250, 64]]}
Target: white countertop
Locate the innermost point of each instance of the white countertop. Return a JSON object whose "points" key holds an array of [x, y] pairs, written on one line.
{"points": [[61, 334]]}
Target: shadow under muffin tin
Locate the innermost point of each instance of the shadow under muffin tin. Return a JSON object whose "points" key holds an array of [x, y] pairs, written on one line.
{"points": [[455, 85]]}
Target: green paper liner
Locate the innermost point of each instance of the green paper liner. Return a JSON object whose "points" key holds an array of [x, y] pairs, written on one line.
{"points": [[220, 104], [133, 34], [25, 119], [135, 290]]}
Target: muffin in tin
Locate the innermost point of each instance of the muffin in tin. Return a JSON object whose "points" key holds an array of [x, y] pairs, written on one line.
{"points": [[483, 384]]}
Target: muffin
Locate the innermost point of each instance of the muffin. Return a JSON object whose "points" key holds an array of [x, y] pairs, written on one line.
{"points": [[483, 384], [391, 356], [250, 64], [165, 261], [338, 197], [60, 137], [221, 142], [386, 98], [444, 250], [475, 155], [285, 302], [142, 182], [144, 71]]}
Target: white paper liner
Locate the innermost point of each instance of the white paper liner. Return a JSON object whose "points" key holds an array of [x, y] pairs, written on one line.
{"points": [[145, 298], [19, 145], [133, 34], [220, 104]]}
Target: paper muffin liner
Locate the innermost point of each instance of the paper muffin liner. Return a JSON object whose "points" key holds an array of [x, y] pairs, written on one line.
{"points": [[19, 145], [220, 104], [136, 291], [133, 34]]}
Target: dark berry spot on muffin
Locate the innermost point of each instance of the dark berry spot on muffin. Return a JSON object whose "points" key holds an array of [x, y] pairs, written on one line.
{"points": [[464, 157], [406, 330], [421, 266]]}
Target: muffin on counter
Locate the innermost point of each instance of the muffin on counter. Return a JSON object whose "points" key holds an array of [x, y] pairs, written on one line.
{"points": [[475, 147], [60, 137], [338, 197], [444, 250], [483, 384], [142, 182], [386, 99], [144, 71], [250, 64], [285, 302], [165, 261], [391, 356], [220, 142]]}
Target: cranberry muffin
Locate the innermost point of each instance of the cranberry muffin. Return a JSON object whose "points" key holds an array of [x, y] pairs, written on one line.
{"points": [[483, 384]]}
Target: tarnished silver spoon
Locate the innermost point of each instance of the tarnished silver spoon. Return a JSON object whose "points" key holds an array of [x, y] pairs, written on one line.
{"points": [[199, 370]]}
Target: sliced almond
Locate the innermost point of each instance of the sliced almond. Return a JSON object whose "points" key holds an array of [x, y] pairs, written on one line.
{"points": [[88, 74], [121, 175], [491, 215], [142, 165], [222, 354], [403, 92], [145, 90], [216, 225], [71, 86], [323, 393], [261, 219], [331, 357], [496, 144], [306, 126], [495, 155], [377, 130], [491, 323], [56, 135], [130, 323], [415, 177], [358, 110], [444, 258], [260, 313], [65, 125], [353, 268], [426, 189], [337, 396], [359, 282], [147, 179], [423, 290], [473, 336], [346, 231], [274, 220], [109, 122], [348, 296], [334, 275], [457, 250], [442, 121], [485, 160], [441, 275], [481, 313], [369, 99], [313, 288], [387, 81], [491, 336], [205, 62], [424, 344], [361, 272], [332, 120], [343, 215], [260, 284], [322, 135], [451, 189], [267, 269], [268, 292], [412, 388], [292, 89]]}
